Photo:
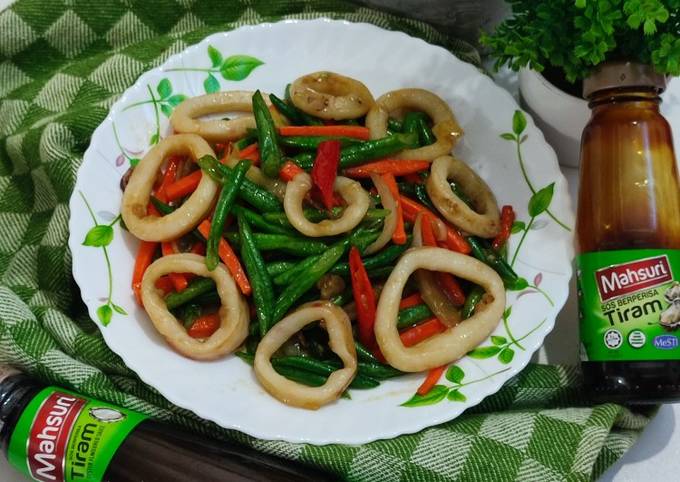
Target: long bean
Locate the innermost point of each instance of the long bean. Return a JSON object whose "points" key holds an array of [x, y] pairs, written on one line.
{"points": [[250, 192], [270, 151], [279, 242], [395, 125], [263, 292], [424, 197], [412, 315], [380, 272], [290, 112], [278, 267], [322, 368], [290, 275], [425, 134], [343, 298], [359, 153], [222, 209], [306, 118], [317, 215], [473, 298], [488, 256], [307, 279], [384, 257], [300, 376], [364, 354], [196, 287], [258, 221], [312, 142]]}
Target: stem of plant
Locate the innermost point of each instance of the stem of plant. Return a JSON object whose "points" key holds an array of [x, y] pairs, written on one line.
{"points": [[116, 219], [155, 109], [531, 186], [509, 332], [521, 240], [531, 331], [190, 69], [547, 297], [122, 151], [142, 102], [108, 268], [481, 379]]}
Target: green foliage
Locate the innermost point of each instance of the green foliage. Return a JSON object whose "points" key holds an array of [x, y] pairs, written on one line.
{"points": [[577, 35]]}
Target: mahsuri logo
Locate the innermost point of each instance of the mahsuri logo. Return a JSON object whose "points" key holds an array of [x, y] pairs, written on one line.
{"points": [[626, 278]]}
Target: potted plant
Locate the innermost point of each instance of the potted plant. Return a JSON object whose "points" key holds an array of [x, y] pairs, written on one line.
{"points": [[555, 44]]}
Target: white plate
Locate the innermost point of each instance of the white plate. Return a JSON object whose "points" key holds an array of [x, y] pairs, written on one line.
{"points": [[226, 391]]}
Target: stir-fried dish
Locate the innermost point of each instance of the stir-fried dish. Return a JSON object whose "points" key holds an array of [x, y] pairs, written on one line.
{"points": [[327, 238]]}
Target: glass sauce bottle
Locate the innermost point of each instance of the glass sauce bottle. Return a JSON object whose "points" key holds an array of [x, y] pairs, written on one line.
{"points": [[628, 237]]}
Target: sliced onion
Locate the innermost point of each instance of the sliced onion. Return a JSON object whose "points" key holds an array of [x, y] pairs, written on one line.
{"points": [[339, 329], [390, 223], [355, 196], [430, 291], [234, 317], [138, 192], [453, 343]]}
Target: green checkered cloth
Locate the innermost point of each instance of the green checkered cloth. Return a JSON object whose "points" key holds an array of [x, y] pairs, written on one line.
{"points": [[62, 65]]}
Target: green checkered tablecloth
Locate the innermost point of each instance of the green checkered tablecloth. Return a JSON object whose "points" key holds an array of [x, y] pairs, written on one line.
{"points": [[62, 65]]}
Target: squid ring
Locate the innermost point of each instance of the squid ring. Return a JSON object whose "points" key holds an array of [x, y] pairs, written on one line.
{"points": [[184, 119], [486, 222], [233, 312], [445, 129], [337, 324], [138, 192], [453, 343], [351, 191], [328, 95]]}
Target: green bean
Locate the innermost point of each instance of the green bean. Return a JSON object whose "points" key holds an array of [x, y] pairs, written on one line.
{"points": [[290, 275], [411, 123], [359, 153], [306, 118], [378, 371], [395, 125], [461, 194], [473, 297], [425, 134], [279, 242], [384, 257], [318, 367], [488, 256], [423, 197], [195, 288], [250, 192], [258, 221], [312, 142], [224, 203], [270, 151], [163, 208], [381, 272], [300, 376], [279, 267], [343, 298], [305, 160], [412, 315], [250, 138], [209, 298], [364, 354], [317, 215], [188, 313], [290, 112], [307, 279], [263, 292]]}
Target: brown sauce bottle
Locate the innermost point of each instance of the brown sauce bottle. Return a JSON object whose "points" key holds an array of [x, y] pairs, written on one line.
{"points": [[628, 237]]}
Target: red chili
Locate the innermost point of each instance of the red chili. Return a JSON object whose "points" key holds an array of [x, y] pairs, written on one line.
{"points": [[169, 177], [325, 170], [507, 218], [289, 170], [364, 297]]}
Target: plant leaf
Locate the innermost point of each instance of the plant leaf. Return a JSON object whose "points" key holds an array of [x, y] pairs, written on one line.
{"points": [[436, 395], [99, 236], [215, 56], [507, 312], [455, 395], [519, 122], [498, 340], [154, 139], [508, 136], [118, 309], [506, 356], [455, 374], [540, 201], [518, 227], [176, 99], [164, 88], [238, 67], [537, 279], [211, 84], [483, 352], [104, 314], [134, 161], [166, 109]]}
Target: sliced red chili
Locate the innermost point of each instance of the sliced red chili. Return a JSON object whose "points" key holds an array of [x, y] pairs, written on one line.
{"points": [[325, 170]]}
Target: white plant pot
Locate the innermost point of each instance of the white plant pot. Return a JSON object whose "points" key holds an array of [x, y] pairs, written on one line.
{"points": [[559, 115]]}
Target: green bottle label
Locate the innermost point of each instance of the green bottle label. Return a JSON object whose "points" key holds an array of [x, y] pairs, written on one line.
{"points": [[629, 305], [64, 437]]}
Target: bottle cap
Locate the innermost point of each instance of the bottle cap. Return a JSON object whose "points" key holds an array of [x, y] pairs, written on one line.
{"points": [[613, 75]]}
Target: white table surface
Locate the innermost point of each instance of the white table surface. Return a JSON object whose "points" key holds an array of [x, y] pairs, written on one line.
{"points": [[655, 456]]}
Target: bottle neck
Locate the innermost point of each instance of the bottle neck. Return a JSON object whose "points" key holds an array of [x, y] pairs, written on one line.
{"points": [[639, 97]]}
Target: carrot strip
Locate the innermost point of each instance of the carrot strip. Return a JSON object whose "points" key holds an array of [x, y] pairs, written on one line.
{"points": [[421, 332], [357, 132], [289, 170], [169, 177], [251, 152], [455, 240], [431, 380], [184, 186], [427, 230], [204, 326], [229, 258], [396, 167], [409, 301], [145, 255], [399, 234], [179, 281]]}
